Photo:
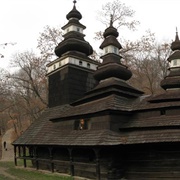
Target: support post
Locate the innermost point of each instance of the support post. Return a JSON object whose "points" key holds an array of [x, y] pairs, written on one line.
{"points": [[71, 162], [24, 156], [98, 172], [19, 151], [51, 159], [36, 158], [15, 158]]}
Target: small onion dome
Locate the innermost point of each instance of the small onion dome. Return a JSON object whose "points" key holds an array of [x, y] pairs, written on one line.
{"points": [[110, 31], [110, 35], [74, 13], [173, 56], [176, 44], [171, 82], [73, 44], [112, 70]]}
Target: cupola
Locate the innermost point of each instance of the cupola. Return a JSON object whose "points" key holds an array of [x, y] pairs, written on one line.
{"points": [[70, 76], [172, 80], [111, 65], [73, 35]]}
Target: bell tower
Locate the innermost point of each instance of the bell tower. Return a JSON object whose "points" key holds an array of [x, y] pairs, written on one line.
{"points": [[70, 76]]}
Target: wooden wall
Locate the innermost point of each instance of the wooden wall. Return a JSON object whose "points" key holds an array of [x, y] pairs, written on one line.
{"points": [[152, 162]]}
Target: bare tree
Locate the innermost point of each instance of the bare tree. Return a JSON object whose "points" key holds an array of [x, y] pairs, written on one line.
{"points": [[148, 61], [48, 40], [121, 15], [28, 87], [145, 57]]}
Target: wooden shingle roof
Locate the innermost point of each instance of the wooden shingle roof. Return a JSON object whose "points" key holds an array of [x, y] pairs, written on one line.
{"points": [[46, 131]]}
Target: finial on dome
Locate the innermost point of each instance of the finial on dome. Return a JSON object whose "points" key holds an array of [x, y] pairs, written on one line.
{"points": [[74, 2], [177, 37], [111, 20]]}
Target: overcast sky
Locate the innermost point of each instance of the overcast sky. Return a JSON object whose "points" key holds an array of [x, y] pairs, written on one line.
{"points": [[22, 20]]}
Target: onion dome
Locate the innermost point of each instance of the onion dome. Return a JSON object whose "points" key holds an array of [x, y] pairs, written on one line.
{"points": [[111, 66], [172, 81], [74, 13], [73, 35], [176, 44]]}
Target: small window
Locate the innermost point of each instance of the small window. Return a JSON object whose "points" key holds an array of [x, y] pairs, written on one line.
{"points": [[115, 50], [67, 29], [163, 112], [88, 65], [60, 64], [81, 124], [78, 29], [54, 66], [106, 50], [175, 62], [80, 63]]}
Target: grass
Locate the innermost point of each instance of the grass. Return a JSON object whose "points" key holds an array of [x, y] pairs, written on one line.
{"points": [[26, 174], [4, 177]]}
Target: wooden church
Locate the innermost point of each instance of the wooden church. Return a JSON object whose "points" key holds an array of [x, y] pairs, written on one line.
{"points": [[97, 126]]}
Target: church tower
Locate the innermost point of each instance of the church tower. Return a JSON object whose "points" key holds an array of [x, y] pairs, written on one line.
{"points": [[70, 75]]}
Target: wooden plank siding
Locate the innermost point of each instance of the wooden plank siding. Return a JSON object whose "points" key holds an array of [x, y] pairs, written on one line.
{"points": [[153, 162]]}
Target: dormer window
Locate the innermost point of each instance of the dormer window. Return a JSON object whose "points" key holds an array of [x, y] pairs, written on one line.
{"points": [[82, 124]]}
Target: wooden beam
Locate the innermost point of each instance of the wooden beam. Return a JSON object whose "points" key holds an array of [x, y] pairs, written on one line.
{"points": [[36, 158], [15, 158], [71, 162], [98, 171], [24, 155], [51, 158]]}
